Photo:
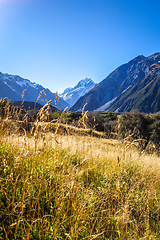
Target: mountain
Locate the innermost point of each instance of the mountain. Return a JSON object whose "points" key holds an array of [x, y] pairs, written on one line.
{"points": [[12, 86], [71, 95], [125, 79], [143, 96]]}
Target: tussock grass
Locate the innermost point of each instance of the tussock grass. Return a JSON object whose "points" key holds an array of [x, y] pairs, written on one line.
{"points": [[63, 186]]}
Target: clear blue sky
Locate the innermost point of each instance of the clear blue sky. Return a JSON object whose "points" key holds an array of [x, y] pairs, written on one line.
{"points": [[56, 43]]}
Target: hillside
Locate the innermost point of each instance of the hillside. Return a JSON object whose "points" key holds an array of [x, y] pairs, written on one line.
{"points": [[31, 105]]}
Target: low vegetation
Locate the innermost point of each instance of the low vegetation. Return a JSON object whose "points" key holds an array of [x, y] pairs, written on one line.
{"points": [[59, 181]]}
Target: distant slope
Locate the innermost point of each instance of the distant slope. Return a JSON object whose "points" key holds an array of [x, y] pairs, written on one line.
{"points": [[71, 95], [12, 86], [31, 105], [116, 83]]}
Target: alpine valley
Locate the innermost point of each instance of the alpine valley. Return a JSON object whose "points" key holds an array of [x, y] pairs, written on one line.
{"points": [[134, 85]]}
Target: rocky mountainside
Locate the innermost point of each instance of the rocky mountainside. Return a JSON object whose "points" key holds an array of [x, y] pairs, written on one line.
{"points": [[71, 95], [125, 79], [12, 86], [143, 96]]}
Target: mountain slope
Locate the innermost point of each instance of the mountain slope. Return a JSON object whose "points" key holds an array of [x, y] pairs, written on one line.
{"points": [[31, 105], [144, 96], [116, 83], [12, 86], [71, 95]]}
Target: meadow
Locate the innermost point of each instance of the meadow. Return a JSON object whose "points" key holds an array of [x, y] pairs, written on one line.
{"points": [[62, 182]]}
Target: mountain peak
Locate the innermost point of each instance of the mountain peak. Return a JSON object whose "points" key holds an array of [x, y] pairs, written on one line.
{"points": [[155, 57], [84, 82], [71, 95], [139, 58]]}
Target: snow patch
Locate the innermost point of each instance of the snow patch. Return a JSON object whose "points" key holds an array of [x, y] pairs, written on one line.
{"points": [[117, 110], [10, 87], [18, 80], [105, 106], [26, 83], [126, 89]]}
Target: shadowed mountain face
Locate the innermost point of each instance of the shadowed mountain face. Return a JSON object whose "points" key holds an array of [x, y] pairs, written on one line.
{"points": [[143, 96], [12, 86], [121, 81], [31, 105]]}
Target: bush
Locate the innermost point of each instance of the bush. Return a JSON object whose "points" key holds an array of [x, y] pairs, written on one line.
{"points": [[140, 126], [102, 122]]}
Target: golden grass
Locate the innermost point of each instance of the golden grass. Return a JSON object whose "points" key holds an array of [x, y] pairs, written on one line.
{"points": [[87, 147], [57, 185], [91, 174]]}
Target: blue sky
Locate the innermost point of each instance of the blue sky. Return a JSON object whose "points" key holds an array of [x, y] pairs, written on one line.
{"points": [[56, 43]]}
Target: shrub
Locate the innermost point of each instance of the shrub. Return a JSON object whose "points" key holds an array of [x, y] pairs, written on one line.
{"points": [[140, 126]]}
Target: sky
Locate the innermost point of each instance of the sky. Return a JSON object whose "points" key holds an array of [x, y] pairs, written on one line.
{"points": [[56, 43]]}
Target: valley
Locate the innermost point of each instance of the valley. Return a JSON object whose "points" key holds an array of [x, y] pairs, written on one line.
{"points": [[83, 174]]}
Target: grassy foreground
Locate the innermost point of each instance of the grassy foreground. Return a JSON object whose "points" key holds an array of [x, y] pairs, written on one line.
{"points": [[77, 187]]}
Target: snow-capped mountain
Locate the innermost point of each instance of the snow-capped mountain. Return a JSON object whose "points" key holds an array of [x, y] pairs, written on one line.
{"points": [[12, 86], [71, 95], [122, 82]]}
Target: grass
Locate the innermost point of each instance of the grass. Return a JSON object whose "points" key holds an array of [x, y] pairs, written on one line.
{"points": [[76, 187]]}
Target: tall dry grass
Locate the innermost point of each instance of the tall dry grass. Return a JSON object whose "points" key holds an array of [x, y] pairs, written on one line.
{"points": [[61, 186]]}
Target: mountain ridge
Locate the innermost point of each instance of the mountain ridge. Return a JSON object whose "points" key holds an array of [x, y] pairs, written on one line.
{"points": [[133, 85], [118, 82], [12, 87]]}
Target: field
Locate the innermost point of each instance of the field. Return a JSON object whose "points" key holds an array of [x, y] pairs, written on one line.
{"points": [[58, 185]]}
